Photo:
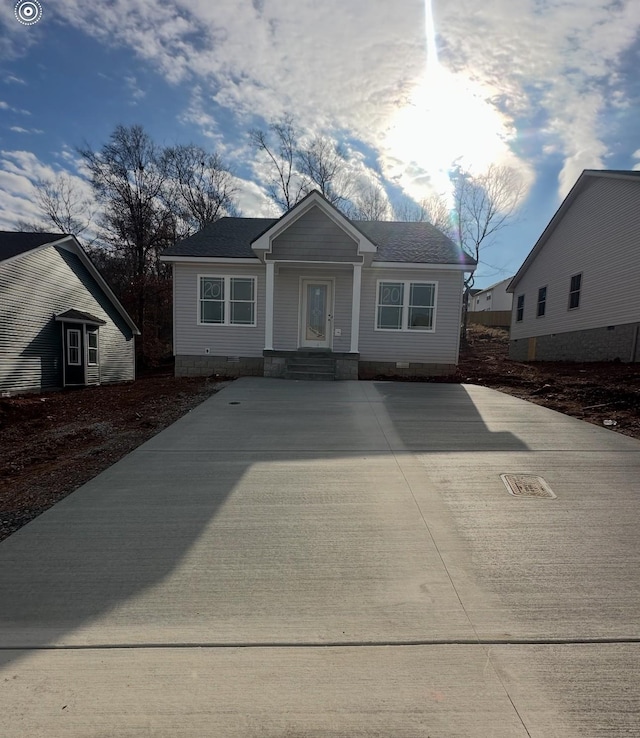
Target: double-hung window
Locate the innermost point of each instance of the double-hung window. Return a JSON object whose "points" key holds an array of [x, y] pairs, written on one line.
{"points": [[227, 300], [406, 306], [520, 309], [542, 302], [574, 291], [92, 348]]}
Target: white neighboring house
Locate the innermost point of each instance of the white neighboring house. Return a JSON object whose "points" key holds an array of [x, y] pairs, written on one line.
{"points": [[576, 294], [494, 297]]}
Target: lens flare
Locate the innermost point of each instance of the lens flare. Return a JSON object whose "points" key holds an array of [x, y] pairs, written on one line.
{"points": [[448, 121]]}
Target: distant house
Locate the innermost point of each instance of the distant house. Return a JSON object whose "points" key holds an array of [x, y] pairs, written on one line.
{"points": [[492, 298], [60, 323], [314, 294], [576, 295]]}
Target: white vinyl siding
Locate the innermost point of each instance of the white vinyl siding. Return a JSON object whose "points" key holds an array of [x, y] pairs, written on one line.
{"points": [[193, 338], [439, 346], [597, 238]]}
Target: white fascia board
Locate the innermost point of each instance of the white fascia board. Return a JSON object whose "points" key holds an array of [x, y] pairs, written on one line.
{"points": [[420, 265], [210, 260]]}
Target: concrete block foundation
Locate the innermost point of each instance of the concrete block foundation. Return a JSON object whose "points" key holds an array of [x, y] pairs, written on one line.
{"points": [[609, 343]]}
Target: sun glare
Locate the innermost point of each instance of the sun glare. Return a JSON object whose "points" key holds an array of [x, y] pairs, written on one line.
{"points": [[448, 120]]}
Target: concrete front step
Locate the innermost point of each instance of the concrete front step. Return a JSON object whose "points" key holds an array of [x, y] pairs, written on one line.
{"points": [[320, 376]]}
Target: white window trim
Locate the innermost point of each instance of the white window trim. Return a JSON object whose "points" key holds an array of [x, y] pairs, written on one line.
{"points": [[227, 300], [405, 306], [97, 349], [522, 295], [77, 332]]}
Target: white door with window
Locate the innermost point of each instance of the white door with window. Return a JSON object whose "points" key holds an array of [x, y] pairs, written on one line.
{"points": [[315, 313]]}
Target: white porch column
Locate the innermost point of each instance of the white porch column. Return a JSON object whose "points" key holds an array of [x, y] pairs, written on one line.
{"points": [[355, 308], [268, 312]]}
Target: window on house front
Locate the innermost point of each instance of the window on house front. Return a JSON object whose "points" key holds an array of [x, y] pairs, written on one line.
{"points": [[542, 302], [574, 291], [228, 300], [520, 309], [406, 306], [92, 348], [73, 347]]}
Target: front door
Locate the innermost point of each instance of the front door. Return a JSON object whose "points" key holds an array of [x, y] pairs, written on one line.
{"points": [[316, 313], [73, 354]]}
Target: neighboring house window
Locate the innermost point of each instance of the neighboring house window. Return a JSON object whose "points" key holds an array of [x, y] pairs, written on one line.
{"points": [[488, 296], [92, 348], [574, 291], [73, 348], [542, 301], [406, 306], [520, 309], [228, 300]]}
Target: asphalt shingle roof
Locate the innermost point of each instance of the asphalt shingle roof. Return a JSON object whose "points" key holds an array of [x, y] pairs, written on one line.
{"points": [[400, 242], [12, 243]]}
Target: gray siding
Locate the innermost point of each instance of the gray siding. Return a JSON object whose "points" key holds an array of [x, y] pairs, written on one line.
{"points": [[440, 347], [314, 237], [221, 340], [286, 309], [33, 288], [597, 237]]}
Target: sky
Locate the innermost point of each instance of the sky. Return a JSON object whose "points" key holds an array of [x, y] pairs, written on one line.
{"points": [[409, 88]]}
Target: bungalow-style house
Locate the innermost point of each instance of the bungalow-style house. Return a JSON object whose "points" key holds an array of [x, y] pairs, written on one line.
{"points": [[492, 298], [314, 294], [576, 294], [60, 323]]}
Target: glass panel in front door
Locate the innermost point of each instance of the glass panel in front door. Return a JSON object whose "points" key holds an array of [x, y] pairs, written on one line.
{"points": [[316, 312]]}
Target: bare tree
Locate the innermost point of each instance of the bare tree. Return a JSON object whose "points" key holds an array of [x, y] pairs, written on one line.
{"points": [[280, 146], [63, 206], [299, 166], [202, 187], [433, 209], [128, 177], [323, 164], [370, 203], [483, 205]]}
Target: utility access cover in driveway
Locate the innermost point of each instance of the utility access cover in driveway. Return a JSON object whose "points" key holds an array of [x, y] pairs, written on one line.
{"points": [[526, 485]]}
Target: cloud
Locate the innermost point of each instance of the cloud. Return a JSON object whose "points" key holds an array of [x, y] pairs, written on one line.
{"points": [[350, 68], [12, 79], [20, 171], [20, 129]]}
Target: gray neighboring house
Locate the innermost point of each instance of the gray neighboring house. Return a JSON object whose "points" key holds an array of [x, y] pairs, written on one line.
{"points": [[60, 323], [314, 294], [576, 294]]}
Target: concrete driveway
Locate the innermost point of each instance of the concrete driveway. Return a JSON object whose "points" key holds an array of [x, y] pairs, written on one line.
{"points": [[334, 559]]}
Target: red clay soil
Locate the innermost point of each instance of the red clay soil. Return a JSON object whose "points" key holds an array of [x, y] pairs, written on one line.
{"points": [[53, 443]]}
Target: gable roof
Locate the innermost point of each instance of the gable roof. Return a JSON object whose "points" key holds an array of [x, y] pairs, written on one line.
{"points": [[14, 244], [390, 241], [582, 181]]}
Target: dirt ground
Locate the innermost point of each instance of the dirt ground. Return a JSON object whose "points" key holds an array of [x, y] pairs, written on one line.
{"points": [[53, 443]]}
